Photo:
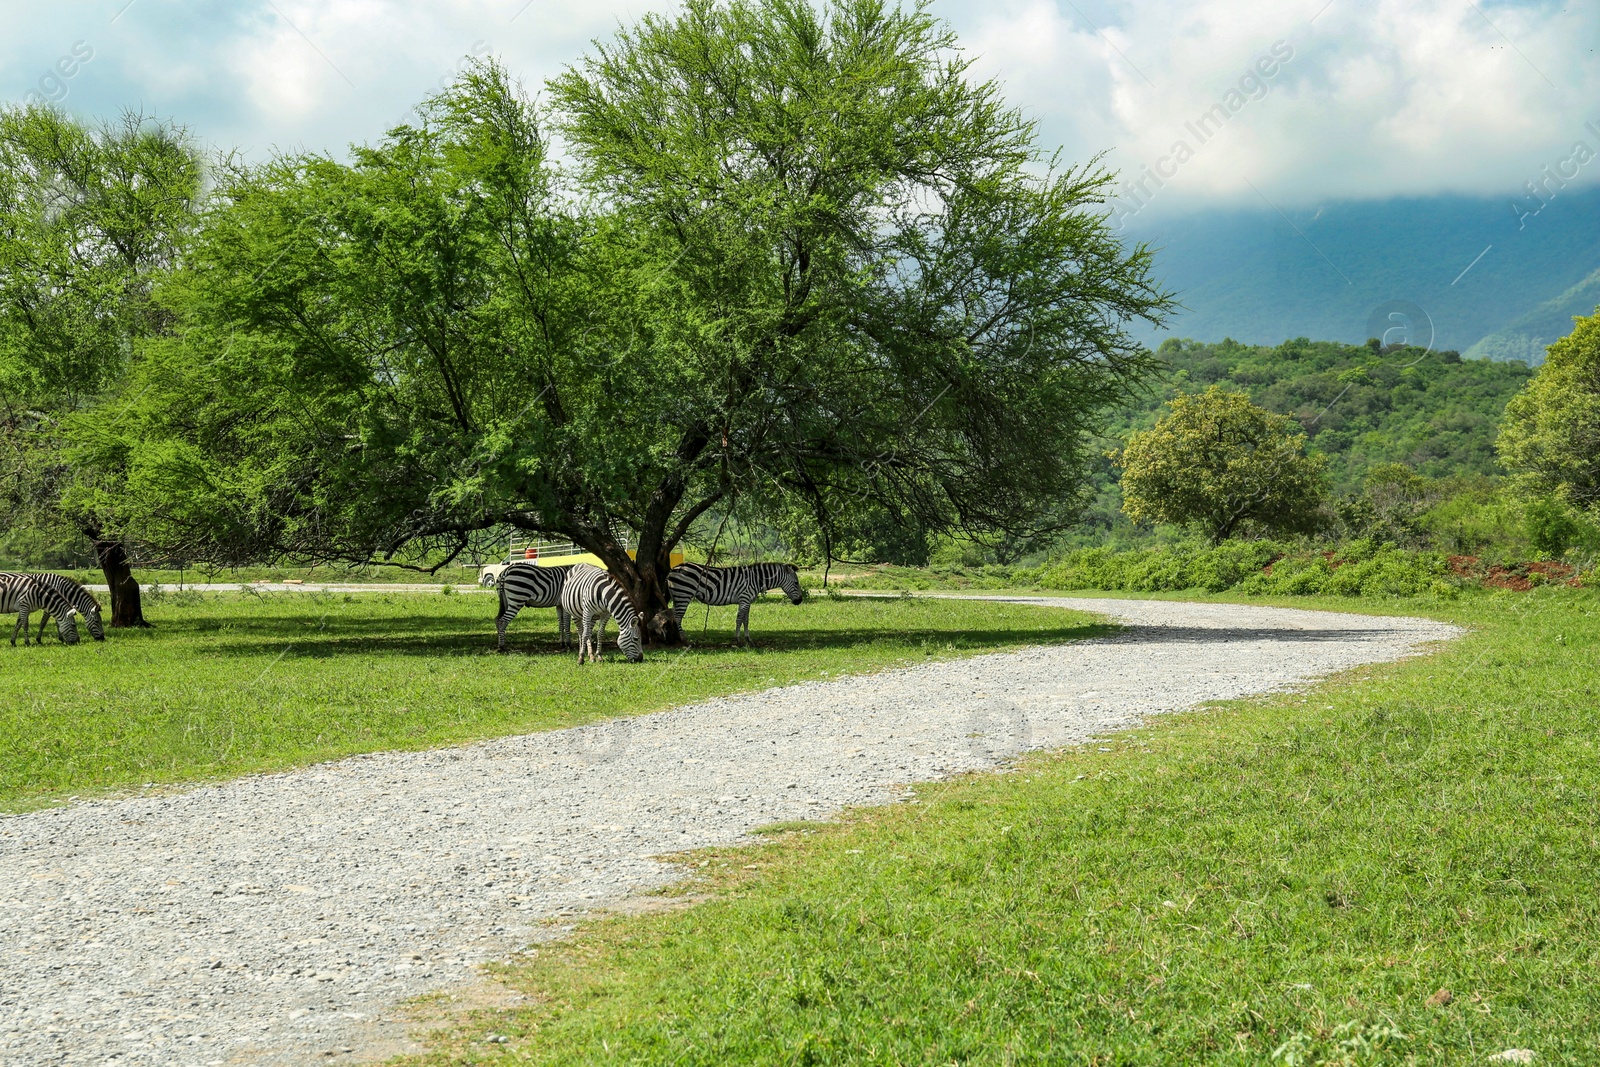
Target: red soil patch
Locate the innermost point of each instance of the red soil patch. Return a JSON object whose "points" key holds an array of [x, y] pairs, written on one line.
{"points": [[1516, 577]]}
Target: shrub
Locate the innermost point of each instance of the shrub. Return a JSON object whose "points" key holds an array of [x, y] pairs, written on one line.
{"points": [[1260, 568]]}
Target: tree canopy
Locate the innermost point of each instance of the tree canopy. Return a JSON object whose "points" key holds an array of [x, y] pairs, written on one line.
{"points": [[1551, 432], [801, 260], [91, 217], [1220, 463]]}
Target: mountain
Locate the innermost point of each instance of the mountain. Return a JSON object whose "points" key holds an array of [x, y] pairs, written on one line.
{"points": [[1527, 337], [1489, 277]]}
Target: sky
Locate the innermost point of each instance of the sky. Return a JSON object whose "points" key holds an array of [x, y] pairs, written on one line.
{"points": [[1197, 103]]}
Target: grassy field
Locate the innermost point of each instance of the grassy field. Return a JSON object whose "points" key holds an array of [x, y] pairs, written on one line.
{"points": [[235, 682], [1398, 867]]}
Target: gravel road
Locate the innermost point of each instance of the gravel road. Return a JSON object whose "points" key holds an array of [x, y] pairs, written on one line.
{"points": [[281, 919]]}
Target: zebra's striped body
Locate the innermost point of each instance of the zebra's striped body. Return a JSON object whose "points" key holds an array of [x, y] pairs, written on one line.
{"points": [[591, 596], [78, 597], [528, 585], [721, 586], [25, 594]]}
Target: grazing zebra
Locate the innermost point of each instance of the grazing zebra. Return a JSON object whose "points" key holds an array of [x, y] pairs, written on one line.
{"points": [[24, 594], [721, 586], [78, 597], [528, 585], [591, 596]]}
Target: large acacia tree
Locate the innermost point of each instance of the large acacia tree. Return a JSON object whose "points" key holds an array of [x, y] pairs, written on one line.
{"points": [[801, 259]]}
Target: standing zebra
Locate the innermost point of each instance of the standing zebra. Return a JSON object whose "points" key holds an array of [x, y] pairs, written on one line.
{"points": [[590, 596], [721, 586], [24, 594], [528, 585], [79, 597]]}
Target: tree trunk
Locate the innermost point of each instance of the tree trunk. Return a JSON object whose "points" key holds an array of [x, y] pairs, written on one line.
{"points": [[650, 596], [644, 580], [126, 607]]}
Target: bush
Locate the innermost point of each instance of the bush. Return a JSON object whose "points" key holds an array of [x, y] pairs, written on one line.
{"points": [[1261, 568]]}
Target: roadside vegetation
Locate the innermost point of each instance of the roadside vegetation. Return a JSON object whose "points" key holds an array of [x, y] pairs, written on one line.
{"points": [[1394, 867], [226, 684]]}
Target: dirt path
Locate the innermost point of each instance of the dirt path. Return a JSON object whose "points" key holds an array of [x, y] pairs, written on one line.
{"points": [[281, 919]]}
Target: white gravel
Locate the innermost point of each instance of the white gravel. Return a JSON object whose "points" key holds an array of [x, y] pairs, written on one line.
{"points": [[281, 919]]}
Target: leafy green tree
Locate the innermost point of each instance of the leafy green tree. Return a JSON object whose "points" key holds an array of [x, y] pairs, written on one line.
{"points": [[806, 262], [1551, 526], [1220, 463], [90, 218], [1390, 506], [1551, 431]]}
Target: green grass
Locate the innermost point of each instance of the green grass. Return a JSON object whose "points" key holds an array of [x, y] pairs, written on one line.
{"points": [[1290, 879], [235, 682]]}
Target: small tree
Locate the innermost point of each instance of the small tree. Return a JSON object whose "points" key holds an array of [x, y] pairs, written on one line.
{"points": [[1220, 463], [1551, 430], [1390, 506]]}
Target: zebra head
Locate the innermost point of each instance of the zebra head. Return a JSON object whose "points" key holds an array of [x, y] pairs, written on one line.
{"points": [[628, 635], [91, 619], [789, 582], [67, 626]]}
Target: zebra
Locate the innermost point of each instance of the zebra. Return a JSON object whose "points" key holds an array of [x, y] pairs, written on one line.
{"points": [[78, 597], [24, 594], [590, 596], [528, 585], [721, 586]]}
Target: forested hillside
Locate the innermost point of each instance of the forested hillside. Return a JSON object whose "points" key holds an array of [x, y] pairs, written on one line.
{"points": [[1433, 411]]}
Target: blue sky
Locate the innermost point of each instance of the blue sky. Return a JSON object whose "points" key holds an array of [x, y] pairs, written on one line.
{"points": [[1307, 100]]}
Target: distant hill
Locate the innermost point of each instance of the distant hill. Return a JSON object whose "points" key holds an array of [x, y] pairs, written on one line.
{"points": [[1527, 337], [1433, 411], [1491, 284]]}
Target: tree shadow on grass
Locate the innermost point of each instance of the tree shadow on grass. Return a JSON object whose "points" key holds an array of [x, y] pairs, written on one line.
{"points": [[306, 637]]}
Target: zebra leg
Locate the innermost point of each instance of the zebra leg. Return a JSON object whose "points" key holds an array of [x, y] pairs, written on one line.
{"points": [[563, 620], [502, 621], [21, 618], [743, 623], [585, 631]]}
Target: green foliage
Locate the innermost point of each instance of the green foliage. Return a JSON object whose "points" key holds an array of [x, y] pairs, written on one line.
{"points": [[1356, 569], [1433, 412], [1551, 431], [1160, 569], [90, 217], [1257, 568], [1223, 465], [1390, 507], [1290, 879], [1551, 526]]}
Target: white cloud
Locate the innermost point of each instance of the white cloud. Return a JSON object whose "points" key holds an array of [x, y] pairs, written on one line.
{"points": [[1381, 97]]}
